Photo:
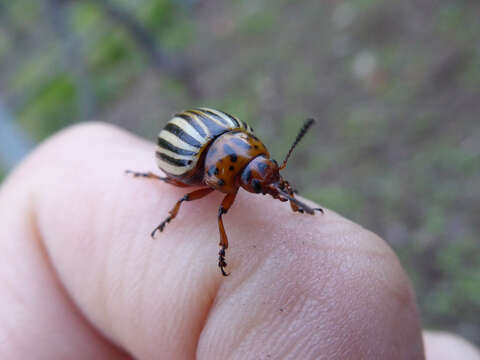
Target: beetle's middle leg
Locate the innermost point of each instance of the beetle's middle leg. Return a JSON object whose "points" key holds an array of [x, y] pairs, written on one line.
{"points": [[194, 195], [224, 207]]}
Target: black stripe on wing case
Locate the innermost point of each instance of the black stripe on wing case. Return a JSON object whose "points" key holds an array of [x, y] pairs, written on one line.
{"points": [[235, 121], [193, 123], [217, 117], [182, 135], [214, 127], [167, 145], [172, 161]]}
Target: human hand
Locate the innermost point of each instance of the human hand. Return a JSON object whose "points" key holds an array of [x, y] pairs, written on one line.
{"points": [[82, 278]]}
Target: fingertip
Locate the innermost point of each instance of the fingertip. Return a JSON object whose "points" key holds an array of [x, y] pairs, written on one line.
{"points": [[307, 287]]}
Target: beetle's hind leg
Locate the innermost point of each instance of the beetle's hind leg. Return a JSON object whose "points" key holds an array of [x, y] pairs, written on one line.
{"points": [[224, 207], [150, 175], [194, 195]]}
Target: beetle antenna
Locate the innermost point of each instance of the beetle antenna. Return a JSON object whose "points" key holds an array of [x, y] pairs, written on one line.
{"points": [[300, 135]]}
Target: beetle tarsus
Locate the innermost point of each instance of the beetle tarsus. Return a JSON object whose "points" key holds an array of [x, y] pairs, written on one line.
{"points": [[138, 174], [161, 226], [319, 210], [148, 175], [221, 261]]}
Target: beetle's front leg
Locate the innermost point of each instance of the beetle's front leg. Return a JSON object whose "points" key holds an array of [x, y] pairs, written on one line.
{"points": [[294, 206], [224, 207]]}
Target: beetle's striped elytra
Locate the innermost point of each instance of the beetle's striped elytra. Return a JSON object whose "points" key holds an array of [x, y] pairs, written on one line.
{"points": [[210, 148]]}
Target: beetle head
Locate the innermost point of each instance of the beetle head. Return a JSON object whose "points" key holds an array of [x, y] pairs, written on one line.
{"points": [[259, 174]]}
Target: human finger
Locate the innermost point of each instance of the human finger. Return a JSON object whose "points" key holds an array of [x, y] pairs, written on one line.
{"points": [[301, 286]]}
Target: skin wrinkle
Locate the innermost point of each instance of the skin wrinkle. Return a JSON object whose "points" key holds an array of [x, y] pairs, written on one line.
{"points": [[142, 293], [115, 288], [252, 329], [190, 269], [35, 247], [60, 285], [125, 255], [45, 256], [298, 327], [101, 273], [263, 321], [321, 309], [205, 316], [90, 216], [182, 294]]}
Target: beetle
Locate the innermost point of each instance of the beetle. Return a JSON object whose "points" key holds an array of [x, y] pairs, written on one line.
{"points": [[215, 150]]}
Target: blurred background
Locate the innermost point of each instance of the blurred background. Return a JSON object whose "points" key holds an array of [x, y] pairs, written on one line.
{"points": [[395, 86]]}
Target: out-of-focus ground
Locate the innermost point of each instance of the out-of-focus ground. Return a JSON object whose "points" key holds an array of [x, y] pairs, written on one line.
{"points": [[395, 86]]}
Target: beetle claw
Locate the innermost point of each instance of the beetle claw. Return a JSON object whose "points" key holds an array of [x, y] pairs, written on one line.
{"points": [[223, 272], [160, 227], [221, 261]]}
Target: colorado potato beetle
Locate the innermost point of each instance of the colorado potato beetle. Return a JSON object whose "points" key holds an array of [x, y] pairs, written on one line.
{"points": [[215, 150]]}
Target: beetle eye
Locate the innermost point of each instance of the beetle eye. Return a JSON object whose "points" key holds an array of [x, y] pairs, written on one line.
{"points": [[256, 186]]}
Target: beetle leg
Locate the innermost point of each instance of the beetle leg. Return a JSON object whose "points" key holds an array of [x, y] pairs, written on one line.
{"points": [[224, 207], [194, 195], [290, 192], [295, 207], [150, 175]]}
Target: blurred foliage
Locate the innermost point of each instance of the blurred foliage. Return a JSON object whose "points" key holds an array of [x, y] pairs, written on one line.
{"points": [[395, 86], [45, 111]]}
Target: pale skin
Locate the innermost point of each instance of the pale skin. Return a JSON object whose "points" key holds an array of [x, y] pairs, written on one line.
{"points": [[82, 279]]}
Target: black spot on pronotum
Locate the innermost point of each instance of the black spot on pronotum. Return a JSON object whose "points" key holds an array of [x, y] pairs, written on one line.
{"points": [[211, 170], [241, 143], [246, 176], [262, 167], [256, 186], [230, 152], [231, 168], [216, 171]]}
